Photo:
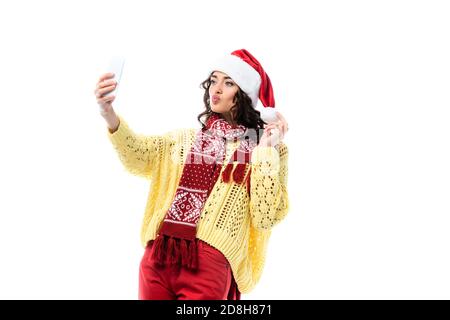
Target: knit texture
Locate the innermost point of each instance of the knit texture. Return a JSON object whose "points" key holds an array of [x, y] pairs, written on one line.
{"points": [[234, 221]]}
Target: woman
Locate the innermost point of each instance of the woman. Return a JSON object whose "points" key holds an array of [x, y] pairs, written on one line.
{"points": [[216, 192]]}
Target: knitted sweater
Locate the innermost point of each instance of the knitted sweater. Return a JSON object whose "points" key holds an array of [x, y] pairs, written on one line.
{"points": [[233, 221]]}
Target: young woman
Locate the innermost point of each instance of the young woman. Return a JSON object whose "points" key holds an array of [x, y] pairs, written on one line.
{"points": [[216, 192]]}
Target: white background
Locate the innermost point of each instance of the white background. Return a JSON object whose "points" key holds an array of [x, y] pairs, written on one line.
{"points": [[364, 86]]}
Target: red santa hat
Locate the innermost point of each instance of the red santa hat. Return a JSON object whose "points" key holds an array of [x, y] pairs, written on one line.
{"points": [[250, 76]]}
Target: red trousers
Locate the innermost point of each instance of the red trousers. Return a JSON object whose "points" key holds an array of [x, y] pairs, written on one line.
{"points": [[212, 281]]}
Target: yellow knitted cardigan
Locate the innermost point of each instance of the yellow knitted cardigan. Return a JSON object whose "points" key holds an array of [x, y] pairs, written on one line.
{"points": [[235, 223]]}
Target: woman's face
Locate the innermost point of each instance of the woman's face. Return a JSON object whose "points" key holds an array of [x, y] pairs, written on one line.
{"points": [[221, 94]]}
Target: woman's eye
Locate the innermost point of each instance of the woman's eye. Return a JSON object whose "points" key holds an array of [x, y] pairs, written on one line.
{"points": [[230, 83]]}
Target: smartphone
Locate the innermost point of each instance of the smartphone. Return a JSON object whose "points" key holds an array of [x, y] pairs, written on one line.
{"points": [[115, 66]]}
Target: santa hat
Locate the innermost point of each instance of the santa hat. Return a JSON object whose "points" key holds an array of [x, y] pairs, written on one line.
{"points": [[250, 76]]}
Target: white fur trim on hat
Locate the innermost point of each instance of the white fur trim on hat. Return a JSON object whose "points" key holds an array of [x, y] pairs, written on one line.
{"points": [[245, 76]]}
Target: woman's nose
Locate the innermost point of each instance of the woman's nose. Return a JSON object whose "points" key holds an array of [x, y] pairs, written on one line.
{"points": [[217, 87]]}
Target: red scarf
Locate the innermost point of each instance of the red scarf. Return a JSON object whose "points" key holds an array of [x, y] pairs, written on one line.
{"points": [[176, 242]]}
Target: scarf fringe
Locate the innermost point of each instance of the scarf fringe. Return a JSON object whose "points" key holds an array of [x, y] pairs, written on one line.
{"points": [[159, 250], [174, 251], [193, 255], [184, 253], [239, 172], [227, 172]]}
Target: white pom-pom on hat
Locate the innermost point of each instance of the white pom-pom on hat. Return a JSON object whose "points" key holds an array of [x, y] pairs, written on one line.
{"points": [[269, 114]]}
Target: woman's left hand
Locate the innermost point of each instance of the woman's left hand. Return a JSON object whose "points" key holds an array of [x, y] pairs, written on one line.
{"points": [[274, 132]]}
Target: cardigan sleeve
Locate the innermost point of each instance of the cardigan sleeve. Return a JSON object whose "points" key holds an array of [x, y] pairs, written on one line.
{"points": [[269, 202], [139, 154]]}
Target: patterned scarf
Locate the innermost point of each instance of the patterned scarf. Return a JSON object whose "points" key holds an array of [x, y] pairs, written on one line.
{"points": [[176, 242]]}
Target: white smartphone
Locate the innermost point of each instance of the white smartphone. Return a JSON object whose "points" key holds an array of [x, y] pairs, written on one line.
{"points": [[115, 66]]}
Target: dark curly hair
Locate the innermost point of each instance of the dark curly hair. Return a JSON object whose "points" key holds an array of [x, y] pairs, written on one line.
{"points": [[243, 111]]}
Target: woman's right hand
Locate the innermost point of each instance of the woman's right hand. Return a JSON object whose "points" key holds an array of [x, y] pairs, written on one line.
{"points": [[104, 85]]}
